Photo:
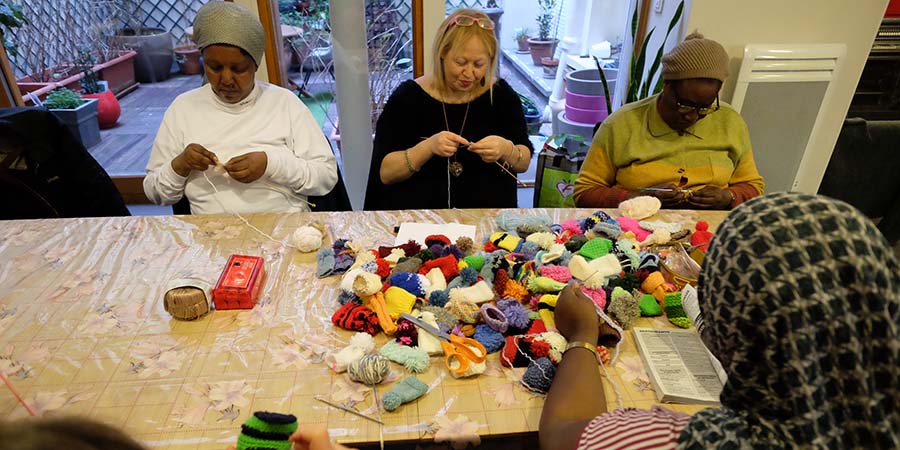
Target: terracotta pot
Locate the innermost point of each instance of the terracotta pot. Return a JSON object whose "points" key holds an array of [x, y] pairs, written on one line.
{"points": [[540, 49], [118, 72], [550, 65], [41, 89], [108, 108], [522, 42], [188, 58]]}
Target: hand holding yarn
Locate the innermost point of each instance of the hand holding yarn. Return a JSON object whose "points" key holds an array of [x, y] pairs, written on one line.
{"points": [[668, 194], [248, 167], [576, 315], [493, 148], [445, 143], [193, 157]]}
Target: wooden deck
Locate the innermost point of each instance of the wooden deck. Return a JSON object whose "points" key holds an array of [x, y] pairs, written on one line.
{"points": [[124, 149]]}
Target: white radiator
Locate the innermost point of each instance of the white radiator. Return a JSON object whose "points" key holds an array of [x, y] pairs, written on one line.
{"points": [[781, 92]]}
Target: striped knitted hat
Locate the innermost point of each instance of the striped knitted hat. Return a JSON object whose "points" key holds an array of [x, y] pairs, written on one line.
{"points": [[232, 24], [696, 57], [267, 431]]}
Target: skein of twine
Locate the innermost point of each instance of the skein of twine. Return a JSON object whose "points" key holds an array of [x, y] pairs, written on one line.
{"points": [[369, 369]]}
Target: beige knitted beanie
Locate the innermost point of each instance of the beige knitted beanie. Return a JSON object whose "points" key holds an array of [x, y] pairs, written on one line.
{"points": [[696, 57], [219, 22]]}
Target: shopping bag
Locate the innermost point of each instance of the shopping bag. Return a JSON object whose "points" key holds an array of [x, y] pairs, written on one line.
{"points": [[554, 183]]}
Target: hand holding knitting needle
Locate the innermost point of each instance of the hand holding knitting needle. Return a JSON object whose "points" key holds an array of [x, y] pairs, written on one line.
{"points": [[193, 157], [492, 148], [445, 143], [576, 315]]}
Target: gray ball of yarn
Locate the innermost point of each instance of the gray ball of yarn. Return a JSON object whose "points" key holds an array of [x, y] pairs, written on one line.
{"points": [[368, 370], [539, 375]]}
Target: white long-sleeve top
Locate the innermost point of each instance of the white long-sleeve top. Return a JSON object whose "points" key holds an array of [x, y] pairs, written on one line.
{"points": [[271, 119]]}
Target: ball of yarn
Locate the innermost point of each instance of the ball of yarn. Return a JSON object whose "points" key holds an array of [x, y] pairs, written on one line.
{"points": [[639, 208], [526, 229], [306, 239], [539, 375], [489, 338], [368, 370], [509, 221]]}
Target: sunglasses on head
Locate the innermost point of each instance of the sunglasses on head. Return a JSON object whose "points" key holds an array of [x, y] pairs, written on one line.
{"points": [[468, 21]]}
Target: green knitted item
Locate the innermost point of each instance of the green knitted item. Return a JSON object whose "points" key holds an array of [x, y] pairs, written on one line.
{"points": [[675, 312], [267, 431], [544, 285], [595, 248], [404, 392], [475, 261], [649, 306], [412, 358]]}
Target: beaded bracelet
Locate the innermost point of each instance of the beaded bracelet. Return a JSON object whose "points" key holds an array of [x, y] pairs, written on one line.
{"points": [[408, 162]]}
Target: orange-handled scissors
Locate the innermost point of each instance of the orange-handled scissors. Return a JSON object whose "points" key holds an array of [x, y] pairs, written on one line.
{"points": [[459, 351]]}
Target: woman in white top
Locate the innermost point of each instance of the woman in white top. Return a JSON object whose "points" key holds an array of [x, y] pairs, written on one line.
{"points": [[268, 147]]}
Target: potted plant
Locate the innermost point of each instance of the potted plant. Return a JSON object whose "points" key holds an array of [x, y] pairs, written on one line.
{"points": [[11, 16], [532, 114], [108, 108], [187, 55], [638, 85], [550, 65], [522, 35], [543, 45], [77, 114], [153, 61], [115, 63]]}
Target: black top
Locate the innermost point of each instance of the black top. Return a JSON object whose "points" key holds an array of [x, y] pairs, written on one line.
{"points": [[410, 114]]}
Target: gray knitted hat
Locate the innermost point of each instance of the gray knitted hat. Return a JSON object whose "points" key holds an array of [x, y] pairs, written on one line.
{"points": [[696, 57], [219, 22]]}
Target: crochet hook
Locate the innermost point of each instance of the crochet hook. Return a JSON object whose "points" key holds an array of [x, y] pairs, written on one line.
{"points": [[349, 410]]}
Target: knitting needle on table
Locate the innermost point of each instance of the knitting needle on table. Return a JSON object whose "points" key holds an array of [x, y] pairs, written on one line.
{"points": [[349, 410]]}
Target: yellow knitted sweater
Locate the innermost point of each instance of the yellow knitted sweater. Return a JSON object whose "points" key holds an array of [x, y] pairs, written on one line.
{"points": [[635, 148]]}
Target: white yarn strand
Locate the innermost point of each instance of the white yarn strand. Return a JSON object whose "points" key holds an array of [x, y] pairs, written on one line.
{"points": [[229, 211]]}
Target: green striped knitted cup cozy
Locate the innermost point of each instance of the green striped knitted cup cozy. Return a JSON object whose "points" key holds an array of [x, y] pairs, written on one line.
{"points": [[267, 431]]}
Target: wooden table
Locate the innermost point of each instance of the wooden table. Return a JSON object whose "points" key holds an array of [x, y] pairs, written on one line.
{"points": [[83, 331]]}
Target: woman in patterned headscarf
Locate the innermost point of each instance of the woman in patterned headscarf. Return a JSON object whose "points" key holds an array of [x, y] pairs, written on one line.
{"points": [[801, 303]]}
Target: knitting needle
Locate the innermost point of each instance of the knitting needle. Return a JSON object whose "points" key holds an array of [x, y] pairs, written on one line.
{"points": [[663, 189], [349, 410], [510, 174]]}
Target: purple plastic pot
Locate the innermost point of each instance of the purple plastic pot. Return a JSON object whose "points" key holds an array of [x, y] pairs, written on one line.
{"points": [[588, 116], [595, 102]]}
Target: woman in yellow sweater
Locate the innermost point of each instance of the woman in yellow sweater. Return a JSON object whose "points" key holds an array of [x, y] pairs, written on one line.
{"points": [[682, 145]]}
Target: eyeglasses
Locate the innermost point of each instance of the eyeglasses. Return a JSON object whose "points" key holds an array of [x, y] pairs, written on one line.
{"points": [[468, 21], [701, 110]]}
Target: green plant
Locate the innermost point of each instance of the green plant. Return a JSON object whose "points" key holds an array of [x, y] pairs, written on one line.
{"points": [[560, 139], [63, 98], [523, 33], [528, 105], [90, 83], [605, 86], [10, 17], [545, 18], [638, 85]]}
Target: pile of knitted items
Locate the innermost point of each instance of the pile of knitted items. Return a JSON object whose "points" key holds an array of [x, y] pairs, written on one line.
{"points": [[503, 292]]}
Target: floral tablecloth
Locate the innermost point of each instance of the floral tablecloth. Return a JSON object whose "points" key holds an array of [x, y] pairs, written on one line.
{"points": [[83, 331]]}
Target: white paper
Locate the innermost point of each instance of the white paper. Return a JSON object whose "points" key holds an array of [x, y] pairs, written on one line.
{"points": [[679, 365], [691, 304], [419, 231]]}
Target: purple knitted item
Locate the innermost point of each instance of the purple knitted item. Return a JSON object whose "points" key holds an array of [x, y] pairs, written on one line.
{"points": [[494, 318], [515, 313]]}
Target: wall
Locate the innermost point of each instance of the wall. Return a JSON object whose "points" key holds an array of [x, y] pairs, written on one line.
{"points": [[262, 72], [609, 21], [736, 23], [517, 14]]}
